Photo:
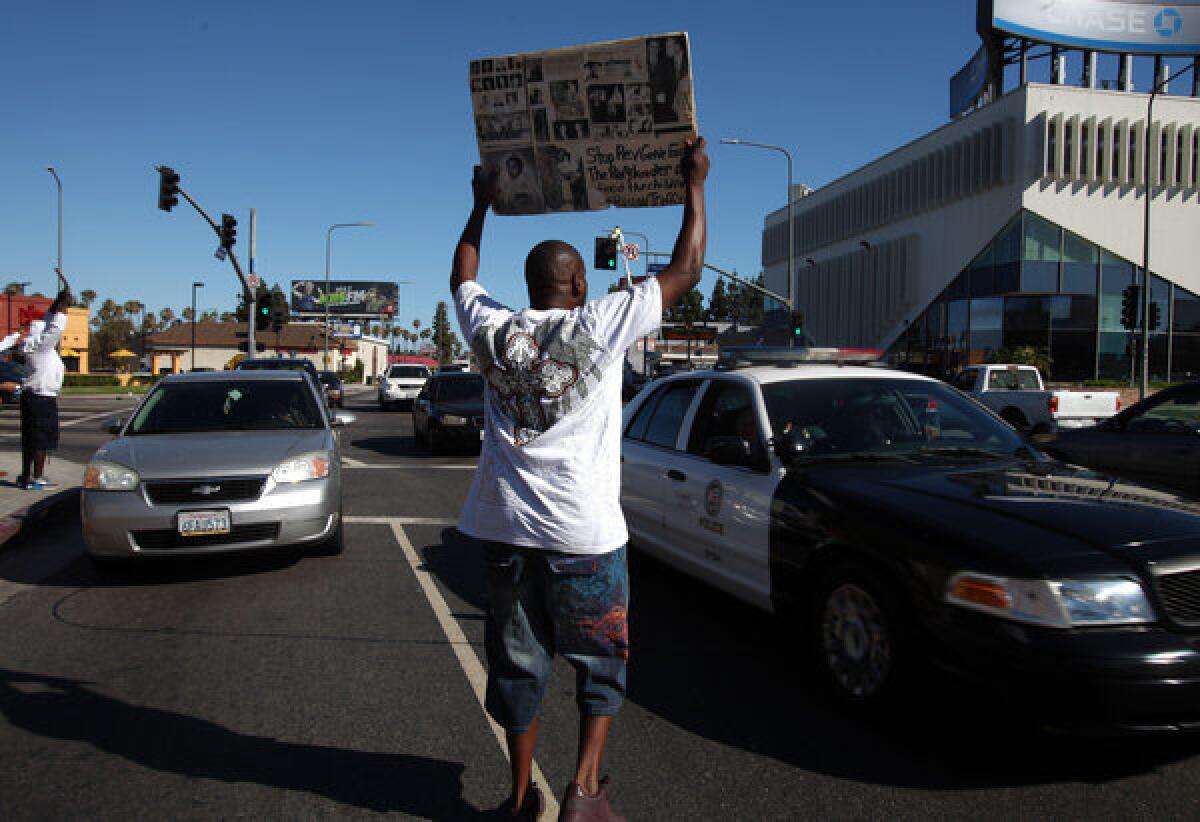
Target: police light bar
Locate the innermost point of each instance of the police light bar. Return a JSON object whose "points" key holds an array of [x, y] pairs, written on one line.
{"points": [[771, 355]]}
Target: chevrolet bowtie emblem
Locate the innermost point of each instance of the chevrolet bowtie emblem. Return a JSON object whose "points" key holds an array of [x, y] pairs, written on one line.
{"points": [[206, 489]]}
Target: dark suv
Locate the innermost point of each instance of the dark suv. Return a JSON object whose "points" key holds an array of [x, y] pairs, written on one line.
{"points": [[282, 364], [449, 411]]}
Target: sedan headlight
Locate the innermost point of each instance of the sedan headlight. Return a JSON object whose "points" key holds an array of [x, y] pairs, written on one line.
{"points": [[1058, 603], [306, 467], [109, 476], [453, 419]]}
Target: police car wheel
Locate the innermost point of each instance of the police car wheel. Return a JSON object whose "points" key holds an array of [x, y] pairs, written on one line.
{"points": [[861, 639]]}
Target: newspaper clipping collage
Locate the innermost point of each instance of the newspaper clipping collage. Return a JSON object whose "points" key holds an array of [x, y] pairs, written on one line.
{"points": [[587, 127]]}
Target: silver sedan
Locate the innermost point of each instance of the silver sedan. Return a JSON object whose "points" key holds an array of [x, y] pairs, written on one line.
{"points": [[215, 462]]}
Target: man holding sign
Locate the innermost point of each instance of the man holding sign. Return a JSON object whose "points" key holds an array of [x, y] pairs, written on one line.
{"points": [[545, 498]]}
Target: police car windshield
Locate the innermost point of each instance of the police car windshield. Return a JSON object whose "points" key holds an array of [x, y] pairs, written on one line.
{"points": [[850, 416]]}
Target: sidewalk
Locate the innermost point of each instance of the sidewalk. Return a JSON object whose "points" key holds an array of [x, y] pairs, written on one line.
{"points": [[17, 505]]}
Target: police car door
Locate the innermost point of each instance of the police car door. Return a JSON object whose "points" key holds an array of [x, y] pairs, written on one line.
{"points": [[649, 445], [721, 512]]}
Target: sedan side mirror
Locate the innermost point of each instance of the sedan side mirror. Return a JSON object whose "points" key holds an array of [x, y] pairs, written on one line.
{"points": [[341, 419], [791, 445], [730, 451], [113, 425]]}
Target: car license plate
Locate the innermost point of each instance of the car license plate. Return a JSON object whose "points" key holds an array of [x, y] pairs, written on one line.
{"points": [[201, 523]]}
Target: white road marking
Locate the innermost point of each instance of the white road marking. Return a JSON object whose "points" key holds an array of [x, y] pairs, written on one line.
{"points": [[109, 413], [400, 521], [411, 465], [467, 658]]}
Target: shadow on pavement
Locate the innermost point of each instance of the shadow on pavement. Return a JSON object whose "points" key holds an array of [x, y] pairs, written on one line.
{"points": [[23, 559], [721, 669], [404, 445], [165, 741]]}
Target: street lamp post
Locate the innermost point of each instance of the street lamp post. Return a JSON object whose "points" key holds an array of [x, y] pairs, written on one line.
{"points": [[325, 297], [194, 287], [791, 230], [62, 280], [1144, 387], [646, 257]]}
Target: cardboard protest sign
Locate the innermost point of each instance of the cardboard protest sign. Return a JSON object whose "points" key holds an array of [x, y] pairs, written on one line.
{"points": [[586, 127]]}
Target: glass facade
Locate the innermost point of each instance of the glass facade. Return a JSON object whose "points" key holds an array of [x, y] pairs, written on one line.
{"points": [[1036, 284]]}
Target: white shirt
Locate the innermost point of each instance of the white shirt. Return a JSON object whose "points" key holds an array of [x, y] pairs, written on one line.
{"points": [[46, 368], [549, 472]]}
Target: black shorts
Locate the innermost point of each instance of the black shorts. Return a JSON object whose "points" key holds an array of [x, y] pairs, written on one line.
{"points": [[39, 422]]}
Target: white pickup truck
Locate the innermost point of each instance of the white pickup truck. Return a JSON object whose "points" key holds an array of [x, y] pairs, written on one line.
{"points": [[1017, 393]]}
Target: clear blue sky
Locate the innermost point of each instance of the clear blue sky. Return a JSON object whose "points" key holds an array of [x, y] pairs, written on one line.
{"points": [[316, 113]]}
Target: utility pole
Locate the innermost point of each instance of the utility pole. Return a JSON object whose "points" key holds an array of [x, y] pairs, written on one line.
{"points": [[1149, 151], [325, 296], [252, 305], [193, 359]]}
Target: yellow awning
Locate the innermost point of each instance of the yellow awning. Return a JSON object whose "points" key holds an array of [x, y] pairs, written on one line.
{"points": [[69, 352], [122, 352]]}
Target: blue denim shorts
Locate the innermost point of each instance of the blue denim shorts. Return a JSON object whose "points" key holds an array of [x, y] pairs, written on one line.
{"points": [[541, 604]]}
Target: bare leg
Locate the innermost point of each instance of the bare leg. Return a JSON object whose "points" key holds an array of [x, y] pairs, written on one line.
{"points": [[520, 756], [593, 734]]}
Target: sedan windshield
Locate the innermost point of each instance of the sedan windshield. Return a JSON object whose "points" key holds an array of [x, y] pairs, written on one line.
{"points": [[873, 416], [228, 405], [461, 389]]}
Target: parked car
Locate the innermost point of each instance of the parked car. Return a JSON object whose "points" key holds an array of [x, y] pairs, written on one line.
{"points": [[1017, 394], [892, 520], [449, 412], [452, 368], [1155, 441], [212, 463], [11, 375], [281, 364], [401, 384], [335, 392]]}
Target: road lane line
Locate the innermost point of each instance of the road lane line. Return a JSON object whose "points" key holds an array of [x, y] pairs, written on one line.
{"points": [[412, 465], [466, 657], [78, 420], [399, 521]]}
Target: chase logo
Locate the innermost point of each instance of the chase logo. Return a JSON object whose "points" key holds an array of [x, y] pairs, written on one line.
{"points": [[1168, 22]]}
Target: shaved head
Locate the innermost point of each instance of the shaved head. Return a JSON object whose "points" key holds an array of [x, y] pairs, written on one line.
{"points": [[555, 276]]}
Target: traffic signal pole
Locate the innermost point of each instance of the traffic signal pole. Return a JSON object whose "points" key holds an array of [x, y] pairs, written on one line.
{"points": [[237, 267]]}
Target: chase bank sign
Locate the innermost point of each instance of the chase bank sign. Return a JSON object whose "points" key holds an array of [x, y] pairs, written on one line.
{"points": [[1101, 25]]}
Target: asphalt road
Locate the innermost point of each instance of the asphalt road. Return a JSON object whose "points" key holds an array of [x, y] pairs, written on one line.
{"points": [[289, 687]]}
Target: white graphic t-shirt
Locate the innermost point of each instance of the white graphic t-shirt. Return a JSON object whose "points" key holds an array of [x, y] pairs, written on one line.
{"points": [[549, 473]]}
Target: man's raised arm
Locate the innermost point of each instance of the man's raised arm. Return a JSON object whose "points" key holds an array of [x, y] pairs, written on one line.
{"points": [[682, 274], [466, 254]]}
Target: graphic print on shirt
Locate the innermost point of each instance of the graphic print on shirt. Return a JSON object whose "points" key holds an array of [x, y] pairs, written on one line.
{"points": [[537, 375]]}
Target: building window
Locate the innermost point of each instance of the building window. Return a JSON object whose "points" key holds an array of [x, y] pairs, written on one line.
{"points": [[987, 328], [1080, 266], [981, 274], [1041, 255], [1008, 258]]}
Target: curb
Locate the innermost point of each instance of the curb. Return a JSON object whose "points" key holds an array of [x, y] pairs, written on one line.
{"points": [[12, 524]]}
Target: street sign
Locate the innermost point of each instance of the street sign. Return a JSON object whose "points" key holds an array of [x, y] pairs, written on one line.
{"points": [[630, 251], [253, 280]]}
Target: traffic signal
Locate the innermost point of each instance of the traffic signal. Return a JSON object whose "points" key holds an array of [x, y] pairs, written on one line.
{"points": [[606, 253], [262, 312], [1129, 306], [1155, 316], [228, 231], [168, 188], [797, 326], [279, 310]]}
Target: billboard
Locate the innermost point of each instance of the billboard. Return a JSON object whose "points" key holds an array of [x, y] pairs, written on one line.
{"points": [[347, 298], [1101, 25], [969, 83]]}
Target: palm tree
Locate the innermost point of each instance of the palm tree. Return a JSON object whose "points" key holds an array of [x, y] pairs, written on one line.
{"points": [[86, 297], [167, 316], [188, 314]]}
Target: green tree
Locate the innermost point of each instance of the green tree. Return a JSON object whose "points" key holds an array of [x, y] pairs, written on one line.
{"points": [[86, 298], [1039, 358], [720, 304], [167, 317], [690, 309], [112, 329], [445, 341]]}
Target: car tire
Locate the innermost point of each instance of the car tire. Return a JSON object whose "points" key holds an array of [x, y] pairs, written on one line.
{"points": [[861, 637], [335, 543], [433, 443]]}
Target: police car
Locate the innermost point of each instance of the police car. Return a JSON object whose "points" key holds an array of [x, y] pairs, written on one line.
{"points": [[895, 520]]}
